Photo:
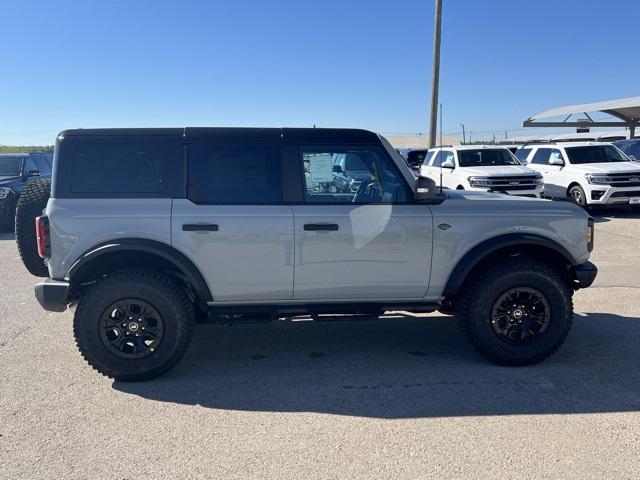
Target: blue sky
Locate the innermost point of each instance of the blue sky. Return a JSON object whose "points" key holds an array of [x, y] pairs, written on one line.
{"points": [[68, 64]]}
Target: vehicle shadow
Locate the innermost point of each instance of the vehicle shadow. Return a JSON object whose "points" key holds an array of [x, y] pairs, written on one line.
{"points": [[7, 234], [399, 368], [603, 215]]}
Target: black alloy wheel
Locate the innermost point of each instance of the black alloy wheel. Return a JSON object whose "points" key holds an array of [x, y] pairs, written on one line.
{"points": [[519, 315], [131, 328]]}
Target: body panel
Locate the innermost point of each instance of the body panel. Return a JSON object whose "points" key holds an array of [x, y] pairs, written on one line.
{"points": [[78, 225], [476, 217], [249, 257], [378, 251]]}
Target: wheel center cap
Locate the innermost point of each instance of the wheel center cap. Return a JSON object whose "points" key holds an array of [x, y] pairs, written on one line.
{"points": [[517, 314], [133, 327]]}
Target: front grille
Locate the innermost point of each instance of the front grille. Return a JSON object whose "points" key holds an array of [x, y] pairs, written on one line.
{"points": [[523, 182], [632, 193], [627, 179]]}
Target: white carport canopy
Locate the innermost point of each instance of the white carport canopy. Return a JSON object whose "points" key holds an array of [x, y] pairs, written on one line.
{"points": [[626, 110]]}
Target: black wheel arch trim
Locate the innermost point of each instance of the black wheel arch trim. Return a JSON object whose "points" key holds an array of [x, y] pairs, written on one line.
{"points": [[167, 252], [474, 256]]}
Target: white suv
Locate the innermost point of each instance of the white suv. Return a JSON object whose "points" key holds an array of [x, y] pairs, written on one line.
{"points": [[481, 168], [590, 173]]}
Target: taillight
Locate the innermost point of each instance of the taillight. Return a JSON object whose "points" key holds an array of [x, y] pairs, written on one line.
{"points": [[42, 227]]}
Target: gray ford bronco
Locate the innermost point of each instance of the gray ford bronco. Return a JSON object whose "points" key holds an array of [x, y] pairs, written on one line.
{"points": [[149, 231]]}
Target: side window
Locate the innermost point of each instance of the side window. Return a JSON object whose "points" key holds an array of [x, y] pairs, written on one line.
{"points": [[428, 158], [243, 174], [541, 157], [30, 164], [121, 167], [522, 154], [43, 166], [351, 175], [441, 157], [555, 154]]}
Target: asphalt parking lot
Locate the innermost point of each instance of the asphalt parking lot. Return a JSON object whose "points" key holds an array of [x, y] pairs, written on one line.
{"points": [[401, 397]]}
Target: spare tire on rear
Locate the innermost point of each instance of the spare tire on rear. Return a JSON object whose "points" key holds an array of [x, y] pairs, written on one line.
{"points": [[33, 200]]}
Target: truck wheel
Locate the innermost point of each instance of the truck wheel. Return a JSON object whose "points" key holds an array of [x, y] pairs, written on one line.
{"points": [[134, 324], [516, 312], [31, 203], [576, 193]]}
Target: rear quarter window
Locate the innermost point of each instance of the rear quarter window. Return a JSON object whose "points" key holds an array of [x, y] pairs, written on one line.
{"points": [[120, 167]]}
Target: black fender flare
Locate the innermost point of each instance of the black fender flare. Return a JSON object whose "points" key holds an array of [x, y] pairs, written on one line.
{"points": [[479, 252], [162, 250]]}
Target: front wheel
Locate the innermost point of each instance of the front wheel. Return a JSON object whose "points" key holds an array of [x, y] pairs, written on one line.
{"points": [[576, 193], [134, 324], [516, 312]]}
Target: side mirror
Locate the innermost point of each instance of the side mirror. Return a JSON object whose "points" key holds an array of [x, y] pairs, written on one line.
{"points": [[425, 189], [556, 161], [448, 164], [33, 173], [337, 169]]}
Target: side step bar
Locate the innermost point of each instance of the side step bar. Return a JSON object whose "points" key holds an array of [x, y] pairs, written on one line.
{"points": [[244, 314]]}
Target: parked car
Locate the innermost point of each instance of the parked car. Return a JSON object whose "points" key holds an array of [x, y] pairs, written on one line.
{"points": [[414, 157], [16, 171], [630, 147], [588, 173], [481, 168], [149, 230]]}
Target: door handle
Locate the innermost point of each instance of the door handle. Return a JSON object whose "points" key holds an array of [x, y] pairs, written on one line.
{"points": [[199, 227], [321, 227]]}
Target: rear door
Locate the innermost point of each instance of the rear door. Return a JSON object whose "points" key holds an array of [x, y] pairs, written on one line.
{"points": [[368, 244], [234, 224]]}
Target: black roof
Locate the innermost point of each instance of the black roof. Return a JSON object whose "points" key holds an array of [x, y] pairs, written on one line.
{"points": [[232, 134]]}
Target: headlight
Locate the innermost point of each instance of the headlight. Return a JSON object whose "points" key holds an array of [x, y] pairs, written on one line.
{"points": [[590, 234], [5, 192], [599, 179], [539, 180], [480, 182]]}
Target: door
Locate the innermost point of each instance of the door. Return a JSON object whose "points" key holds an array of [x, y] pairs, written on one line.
{"points": [[555, 173], [234, 225], [433, 170], [368, 243], [540, 163]]}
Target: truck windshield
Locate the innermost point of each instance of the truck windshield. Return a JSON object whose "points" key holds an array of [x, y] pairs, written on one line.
{"points": [[595, 154], [10, 166], [485, 157]]}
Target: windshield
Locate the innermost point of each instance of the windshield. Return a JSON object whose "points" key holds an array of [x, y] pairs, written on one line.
{"points": [[10, 167], [485, 157], [595, 154]]}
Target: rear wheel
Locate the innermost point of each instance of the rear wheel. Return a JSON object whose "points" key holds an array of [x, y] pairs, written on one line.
{"points": [[33, 200], [516, 312], [134, 325]]}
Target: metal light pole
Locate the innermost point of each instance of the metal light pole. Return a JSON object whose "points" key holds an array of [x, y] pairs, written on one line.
{"points": [[464, 137], [435, 80]]}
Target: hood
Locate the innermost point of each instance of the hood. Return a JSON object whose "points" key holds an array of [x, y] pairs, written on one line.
{"points": [[4, 180], [497, 171], [607, 167], [479, 195]]}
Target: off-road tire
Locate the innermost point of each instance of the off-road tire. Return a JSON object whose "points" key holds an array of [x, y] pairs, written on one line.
{"points": [[475, 303], [161, 291], [33, 200]]}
